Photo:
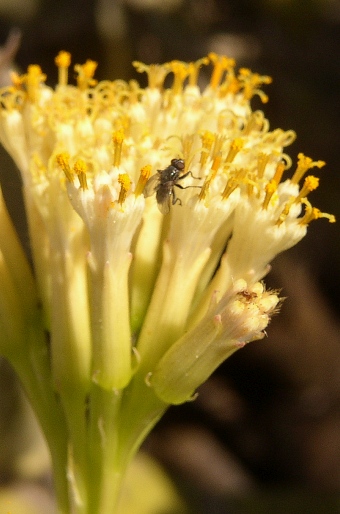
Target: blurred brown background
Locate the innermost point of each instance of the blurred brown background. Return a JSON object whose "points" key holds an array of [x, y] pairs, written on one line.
{"points": [[264, 434]]}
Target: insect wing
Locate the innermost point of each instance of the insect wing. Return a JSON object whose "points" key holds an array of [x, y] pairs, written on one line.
{"points": [[151, 185], [163, 202]]}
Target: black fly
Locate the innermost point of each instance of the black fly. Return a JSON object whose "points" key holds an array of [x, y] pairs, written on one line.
{"points": [[164, 182]]}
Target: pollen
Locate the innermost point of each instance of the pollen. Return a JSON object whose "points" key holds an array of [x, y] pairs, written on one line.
{"points": [[80, 169], [125, 184]]}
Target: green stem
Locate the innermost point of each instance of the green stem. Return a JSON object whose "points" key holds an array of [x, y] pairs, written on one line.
{"points": [[32, 367], [103, 442]]}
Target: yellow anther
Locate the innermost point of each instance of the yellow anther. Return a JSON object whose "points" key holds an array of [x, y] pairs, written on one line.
{"points": [[125, 184], [180, 71], [309, 185], [85, 74], [235, 147], [193, 70], [304, 164], [204, 189], [63, 61], [270, 189], [312, 213], [63, 160], [143, 178], [156, 73], [80, 169], [221, 64], [118, 139]]}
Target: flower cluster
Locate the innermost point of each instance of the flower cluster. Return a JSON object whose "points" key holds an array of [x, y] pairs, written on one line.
{"points": [[120, 282], [153, 215]]}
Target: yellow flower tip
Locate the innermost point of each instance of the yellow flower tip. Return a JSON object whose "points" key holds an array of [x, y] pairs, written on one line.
{"points": [[270, 189], [279, 172], [125, 184], [80, 169], [204, 189], [85, 74], [16, 80], [231, 185], [310, 184], [221, 64], [156, 73], [312, 213], [63, 61], [193, 70], [216, 164], [304, 164], [63, 160], [251, 83], [208, 139], [235, 146], [144, 176], [33, 80], [117, 139], [180, 70]]}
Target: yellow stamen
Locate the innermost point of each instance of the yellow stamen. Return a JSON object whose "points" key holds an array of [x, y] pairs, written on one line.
{"points": [[270, 189], [180, 71], [16, 80], [85, 74], [118, 139], [285, 211], [233, 183], [208, 139], [215, 166], [251, 82], [312, 213], [33, 79], [262, 161], [156, 73], [143, 178], [279, 172], [125, 184], [221, 64], [80, 169], [63, 61], [309, 185], [63, 160], [304, 164], [235, 147], [193, 70]]}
